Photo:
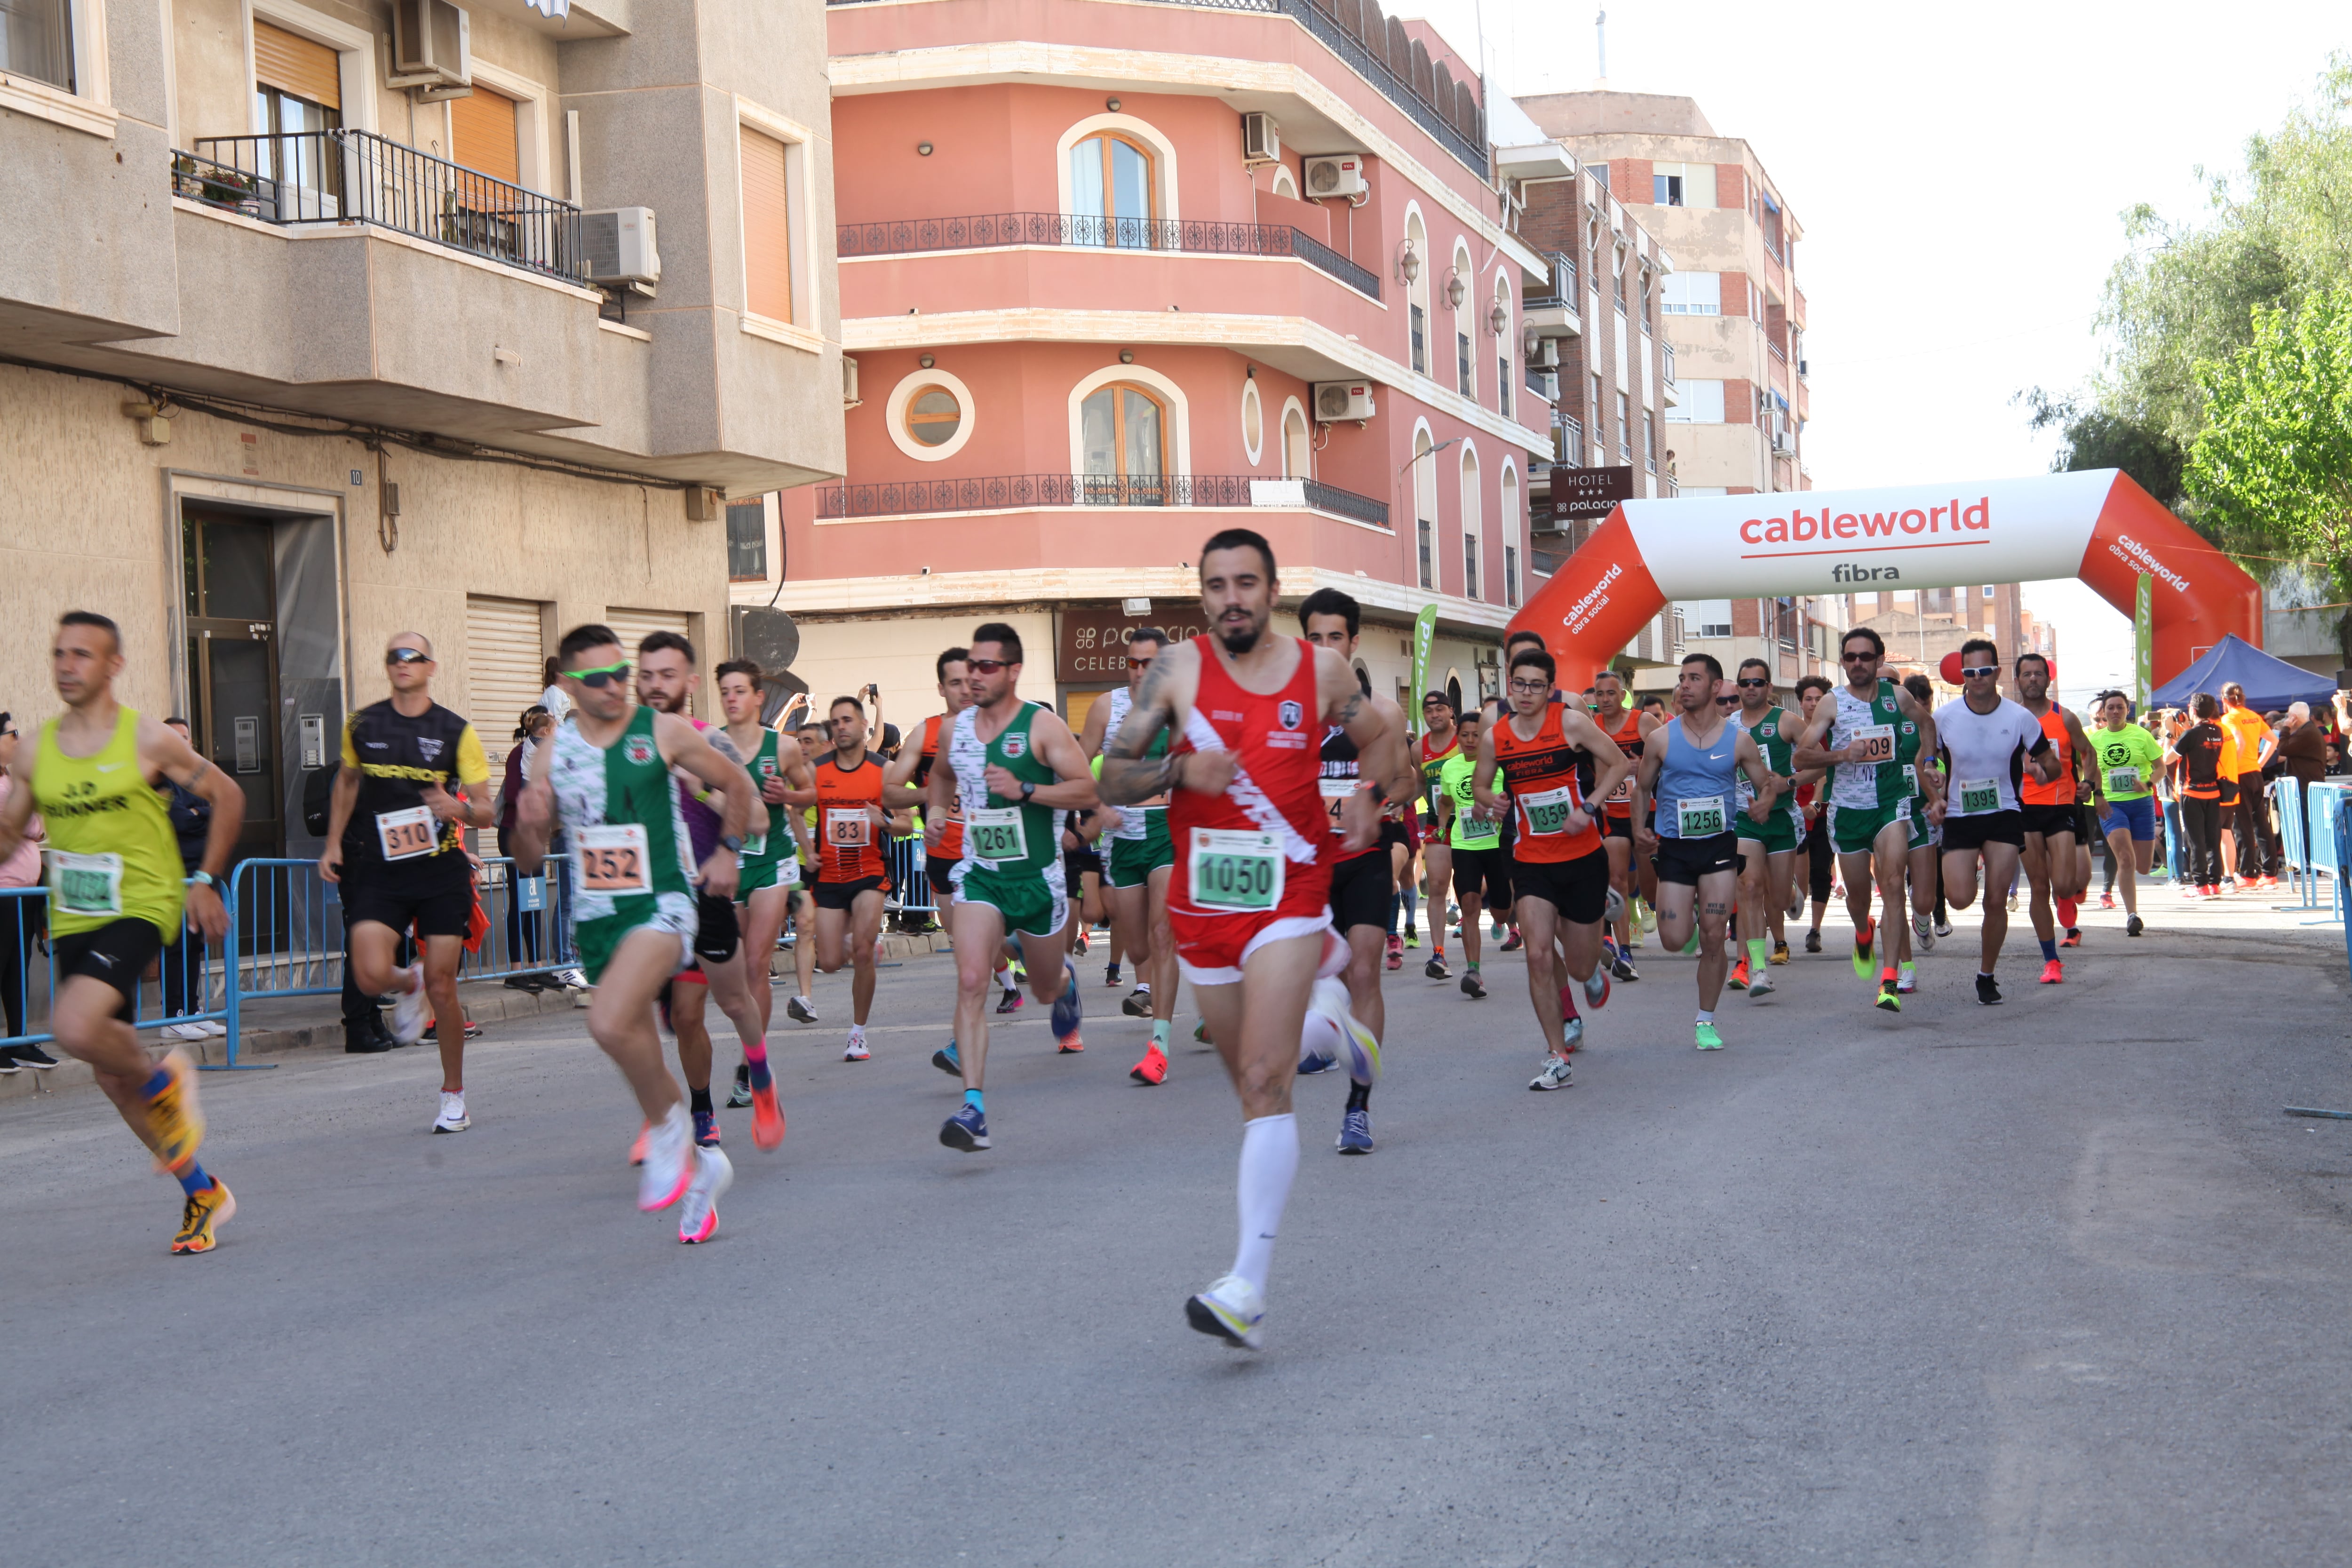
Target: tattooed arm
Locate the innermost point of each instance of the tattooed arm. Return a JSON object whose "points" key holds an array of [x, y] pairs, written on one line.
{"points": [[1162, 703]]}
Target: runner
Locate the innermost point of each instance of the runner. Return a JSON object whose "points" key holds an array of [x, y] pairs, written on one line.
{"points": [[1767, 850], [2198, 757], [1926, 871], [1813, 801], [2052, 822], [1361, 878], [395, 844], [1249, 908], [1989, 744], [852, 876], [1440, 742], [1626, 727], [605, 778], [666, 681], [2126, 758], [1560, 871], [1018, 768], [1475, 842], [770, 891], [117, 895], [912, 770], [1855, 736], [1142, 858]]}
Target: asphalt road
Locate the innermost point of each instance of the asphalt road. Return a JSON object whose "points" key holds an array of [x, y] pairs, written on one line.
{"points": [[2054, 1283]]}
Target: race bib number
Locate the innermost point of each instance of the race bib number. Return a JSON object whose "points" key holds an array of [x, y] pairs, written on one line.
{"points": [[755, 848], [1236, 869], [1877, 742], [1699, 816], [86, 884], [1910, 779], [848, 827], [1978, 796], [997, 833], [1547, 813], [613, 860], [1335, 796], [405, 834], [2123, 781], [1623, 793], [1477, 831]]}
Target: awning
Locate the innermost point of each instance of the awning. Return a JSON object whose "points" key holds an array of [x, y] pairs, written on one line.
{"points": [[1770, 205], [558, 10]]}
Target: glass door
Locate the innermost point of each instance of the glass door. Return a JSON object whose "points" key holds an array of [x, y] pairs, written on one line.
{"points": [[233, 717]]}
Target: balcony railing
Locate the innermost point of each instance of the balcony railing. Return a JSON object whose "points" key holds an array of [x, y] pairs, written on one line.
{"points": [[1562, 289], [1667, 352], [330, 176], [910, 236], [1567, 440], [1539, 382], [1012, 491]]}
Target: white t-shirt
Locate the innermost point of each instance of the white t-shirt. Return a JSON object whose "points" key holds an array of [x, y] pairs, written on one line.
{"points": [[1987, 752]]}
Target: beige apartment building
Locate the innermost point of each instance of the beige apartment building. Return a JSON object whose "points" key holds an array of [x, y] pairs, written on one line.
{"points": [[321, 319]]}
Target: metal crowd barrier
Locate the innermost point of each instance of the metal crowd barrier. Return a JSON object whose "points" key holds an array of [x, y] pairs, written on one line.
{"points": [[2339, 826], [2325, 853], [910, 886], [189, 986]]}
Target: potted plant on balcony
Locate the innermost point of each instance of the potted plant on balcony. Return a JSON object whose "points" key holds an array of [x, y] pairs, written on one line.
{"points": [[216, 186]]}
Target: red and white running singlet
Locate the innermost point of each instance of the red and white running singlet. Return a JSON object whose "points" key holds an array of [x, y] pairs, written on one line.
{"points": [[1247, 864]]}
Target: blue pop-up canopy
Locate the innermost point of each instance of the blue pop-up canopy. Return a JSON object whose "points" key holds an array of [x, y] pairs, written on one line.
{"points": [[2270, 683]]}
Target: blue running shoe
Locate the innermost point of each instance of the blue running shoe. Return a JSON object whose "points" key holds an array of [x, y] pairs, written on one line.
{"points": [[967, 1129], [948, 1062], [706, 1129], [1313, 1062], [1069, 1009], [1356, 1132]]}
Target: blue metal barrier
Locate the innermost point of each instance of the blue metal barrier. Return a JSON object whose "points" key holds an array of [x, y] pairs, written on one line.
{"points": [[2286, 798], [2339, 823], [190, 987], [2330, 843], [910, 884]]}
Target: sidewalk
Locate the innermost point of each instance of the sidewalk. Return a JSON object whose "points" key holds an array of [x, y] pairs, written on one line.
{"points": [[273, 1027]]}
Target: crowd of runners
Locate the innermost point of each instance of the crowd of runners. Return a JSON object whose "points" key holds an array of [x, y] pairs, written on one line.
{"points": [[1246, 815]]}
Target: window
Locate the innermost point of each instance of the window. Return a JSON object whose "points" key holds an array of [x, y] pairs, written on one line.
{"points": [[1297, 444], [1416, 290], [1503, 340], [1625, 427], [1649, 442], [1694, 294], [747, 541], [1682, 185], [1420, 339], [297, 91], [482, 135], [1122, 431], [1593, 411], [1463, 383], [767, 226], [1112, 196], [1458, 293], [1424, 505], [1423, 529], [1701, 403], [1472, 524], [934, 415], [37, 40], [1510, 576], [1470, 565], [1987, 591], [1712, 617], [1253, 421]]}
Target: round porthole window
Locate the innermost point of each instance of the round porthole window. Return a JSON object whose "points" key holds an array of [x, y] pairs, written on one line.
{"points": [[934, 415]]}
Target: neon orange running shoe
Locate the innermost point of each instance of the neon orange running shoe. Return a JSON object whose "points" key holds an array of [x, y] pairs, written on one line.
{"points": [[1152, 1068], [174, 1120], [1071, 1045], [637, 1148], [767, 1117], [205, 1213], [2053, 972], [1739, 976]]}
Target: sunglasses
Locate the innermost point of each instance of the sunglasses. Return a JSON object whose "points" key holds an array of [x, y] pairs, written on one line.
{"points": [[1753, 684], [1854, 657], [408, 656], [1973, 670], [990, 666], [1726, 702], [1140, 663], [600, 676]]}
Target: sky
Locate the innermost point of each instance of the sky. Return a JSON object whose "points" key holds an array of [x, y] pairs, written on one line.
{"points": [[1960, 176]]}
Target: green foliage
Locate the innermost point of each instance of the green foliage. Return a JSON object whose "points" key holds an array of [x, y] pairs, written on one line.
{"points": [[2100, 437]]}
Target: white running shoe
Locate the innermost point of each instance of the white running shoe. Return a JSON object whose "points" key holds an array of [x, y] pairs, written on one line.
{"points": [[183, 1032], [857, 1051], [1554, 1074], [1923, 932], [210, 1028], [1232, 1309], [1759, 986], [1329, 1002], [801, 1010], [453, 1117], [669, 1165], [1615, 910], [697, 1216], [408, 1011]]}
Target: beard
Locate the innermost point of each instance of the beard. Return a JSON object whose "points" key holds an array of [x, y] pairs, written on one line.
{"points": [[666, 704], [1239, 640]]}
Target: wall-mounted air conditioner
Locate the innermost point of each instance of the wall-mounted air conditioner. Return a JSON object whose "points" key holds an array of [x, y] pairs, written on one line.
{"points": [[432, 44], [1341, 175], [1261, 139], [849, 399], [617, 246], [1339, 400]]}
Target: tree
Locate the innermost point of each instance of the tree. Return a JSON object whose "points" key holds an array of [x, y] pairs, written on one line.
{"points": [[2275, 453], [2101, 437]]}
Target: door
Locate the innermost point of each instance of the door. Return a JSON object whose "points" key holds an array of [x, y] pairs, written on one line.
{"points": [[231, 602]]}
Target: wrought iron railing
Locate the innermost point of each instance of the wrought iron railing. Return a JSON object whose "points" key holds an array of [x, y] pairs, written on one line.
{"points": [[909, 236], [999, 492], [329, 176]]}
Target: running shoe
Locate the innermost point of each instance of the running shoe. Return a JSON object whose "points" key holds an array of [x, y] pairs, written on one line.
{"points": [[2053, 972], [173, 1119], [1152, 1068], [1497, 932], [34, 1057], [669, 1161], [1738, 978], [1395, 951], [706, 1129], [1085, 943], [1356, 1132], [2269, 881], [637, 1148], [182, 1032], [2191, 891], [1622, 968], [1923, 932], [1796, 906], [947, 1061], [2107, 901], [1513, 942], [1472, 986], [1759, 986], [1111, 972], [1988, 990], [1312, 1064], [1411, 938], [1644, 915], [1813, 941], [1706, 1037], [1070, 1009], [1906, 981], [1010, 1001], [767, 1117], [1943, 926], [855, 1050], [1596, 987], [1555, 1074], [967, 1129], [1138, 1002], [801, 1010], [1233, 1310], [2013, 903], [697, 1216], [8, 1065], [1200, 1031], [1572, 1034], [408, 1011], [740, 1095], [1862, 951], [1069, 1044], [1779, 952], [2074, 937], [2134, 926], [1890, 998], [453, 1117], [202, 1215], [1613, 908], [1436, 968], [1020, 973]]}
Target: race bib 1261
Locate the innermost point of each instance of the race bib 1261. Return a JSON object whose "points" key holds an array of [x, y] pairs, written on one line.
{"points": [[996, 833]]}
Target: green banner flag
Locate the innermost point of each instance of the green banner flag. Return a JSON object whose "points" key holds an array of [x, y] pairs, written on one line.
{"points": [[1425, 633], [2144, 641]]}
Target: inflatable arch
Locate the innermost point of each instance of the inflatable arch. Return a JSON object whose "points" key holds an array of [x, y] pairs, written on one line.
{"points": [[2097, 525]]}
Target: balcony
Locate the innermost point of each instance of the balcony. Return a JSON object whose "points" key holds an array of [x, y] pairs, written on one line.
{"points": [[1017, 492], [1567, 440], [1553, 314], [357, 176], [910, 237]]}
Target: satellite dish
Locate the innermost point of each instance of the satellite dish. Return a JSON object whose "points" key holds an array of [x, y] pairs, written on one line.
{"points": [[777, 690], [769, 638]]}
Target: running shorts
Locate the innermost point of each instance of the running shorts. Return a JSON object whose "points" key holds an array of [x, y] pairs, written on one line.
{"points": [[1474, 869], [844, 895], [599, 940], [1684, 861], [1615, 826], [1779, 833], [2139, 815], [1854, 828], [1075, 863], [117, 952], [1132, 861], [1027, 901], [1578, 889], [1362, 888], [716, 932], [1393, 832], [434, 898], [1987, 828], [2090, 815], [1923, 832], [2048, 820], [938, 870]]}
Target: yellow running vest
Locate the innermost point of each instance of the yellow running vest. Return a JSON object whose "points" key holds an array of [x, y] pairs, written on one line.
{"points": [[112, 854]]}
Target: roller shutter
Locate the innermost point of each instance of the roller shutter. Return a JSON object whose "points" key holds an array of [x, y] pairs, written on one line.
{"points": [[503, 665], [295, 65], [767, 229], [482, 132]]}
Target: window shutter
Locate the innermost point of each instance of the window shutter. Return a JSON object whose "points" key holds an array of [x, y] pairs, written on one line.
{"points": [[295, 65], [503, 664], [482, 133], [767, 229]]}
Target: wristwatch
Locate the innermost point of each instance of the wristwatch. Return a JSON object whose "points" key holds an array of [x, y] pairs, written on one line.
{"points": [[204, 879], [1028, 788], [730, 843]]}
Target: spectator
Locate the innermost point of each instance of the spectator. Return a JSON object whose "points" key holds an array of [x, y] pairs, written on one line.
{"points": [[523, 928], [2302, 756], [552, 701], [2258, 846], [21, 920], [184, 980]]}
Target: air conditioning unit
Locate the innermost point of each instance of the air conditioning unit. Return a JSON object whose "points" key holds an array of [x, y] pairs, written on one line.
{"points": [[1261, 139], [849, 399], [617, 246], [432, 44], [1782, 444], [1339, 400], [1342, 175]]}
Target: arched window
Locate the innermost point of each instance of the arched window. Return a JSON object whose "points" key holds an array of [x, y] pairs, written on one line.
{"points": [[1298, 443], [1424, 507], [1471, 521], [1512, 527], [1123, 433], [1506, 340], [1253, 422], [1284, 186], [1466, 373], [1417, 289], [1113, 194]]}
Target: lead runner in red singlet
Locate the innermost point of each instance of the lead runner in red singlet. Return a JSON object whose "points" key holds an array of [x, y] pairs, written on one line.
{"points": [[1249, 901]]}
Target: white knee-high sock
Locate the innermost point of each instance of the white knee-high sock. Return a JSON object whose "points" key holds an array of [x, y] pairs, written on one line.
{"points": [[1269, 1160]]}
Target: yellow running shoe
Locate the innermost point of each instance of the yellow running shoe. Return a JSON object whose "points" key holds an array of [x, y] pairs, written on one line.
{"points": [[174, 1120], [207, 1211]]}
